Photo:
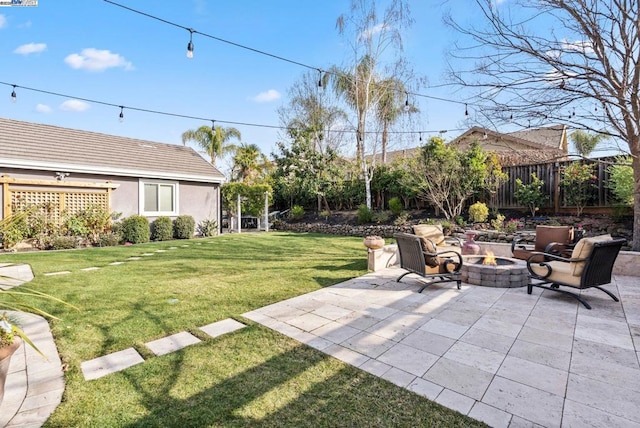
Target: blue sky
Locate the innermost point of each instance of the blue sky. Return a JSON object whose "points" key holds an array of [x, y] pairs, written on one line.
{"points": [[92, 49]]}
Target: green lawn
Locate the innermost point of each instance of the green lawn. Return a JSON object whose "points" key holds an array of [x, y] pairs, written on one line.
{"points": [[253, 377]]}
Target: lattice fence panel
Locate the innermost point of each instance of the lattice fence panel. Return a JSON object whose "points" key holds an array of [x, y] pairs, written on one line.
{"points": [[56, 202], [75, 202]]}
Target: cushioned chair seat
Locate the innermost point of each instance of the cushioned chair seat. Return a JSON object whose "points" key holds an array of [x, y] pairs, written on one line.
{"points": [[590, 266]]}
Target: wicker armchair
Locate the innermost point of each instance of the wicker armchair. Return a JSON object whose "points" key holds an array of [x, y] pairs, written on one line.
{"points": [[590, 266], [419, 256]]}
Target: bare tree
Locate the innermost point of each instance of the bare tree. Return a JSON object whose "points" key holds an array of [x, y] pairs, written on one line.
{"points": [[575, 61], [372, 37], [312, 108]]}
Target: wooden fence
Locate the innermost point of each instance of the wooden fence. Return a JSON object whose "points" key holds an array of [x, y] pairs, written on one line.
{"points": [[601, 198]]}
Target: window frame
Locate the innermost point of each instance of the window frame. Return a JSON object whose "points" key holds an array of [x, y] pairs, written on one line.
{"points": [[141, 200]]}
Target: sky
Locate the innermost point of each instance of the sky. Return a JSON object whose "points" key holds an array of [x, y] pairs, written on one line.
{"points": [[94, 50]]}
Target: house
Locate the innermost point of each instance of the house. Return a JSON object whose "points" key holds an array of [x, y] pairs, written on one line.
{"points": [[529, 146], [72, 169]]}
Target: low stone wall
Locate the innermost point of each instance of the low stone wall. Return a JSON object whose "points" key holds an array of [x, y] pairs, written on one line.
{"points": [[527, 235], [342, 229]]}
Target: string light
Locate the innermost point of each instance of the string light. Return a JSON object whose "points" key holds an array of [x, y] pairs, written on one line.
{"points": [[320, 79], [121, 117], [420, 137], [238, 45], [14, 97], [213, 125], [466, 110], [190, 44], [184, 116]]}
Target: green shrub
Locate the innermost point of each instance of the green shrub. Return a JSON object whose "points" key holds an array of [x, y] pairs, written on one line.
{"points": [[512, 225], [460, 221], [380, 217], [498, 222], [109, 239], [162, 229], [365, 214], [297, 212], [135, 229], [401, 219], [530, 195], [96, 219], [74, 225], [14, 232], [184, 227], [621, 180], [447, 227], [325, 214], [208, 228], [63, 242], [395, 205], [478, 212]]}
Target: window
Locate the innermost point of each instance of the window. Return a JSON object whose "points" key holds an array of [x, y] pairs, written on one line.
{"points": [[158, 198]]}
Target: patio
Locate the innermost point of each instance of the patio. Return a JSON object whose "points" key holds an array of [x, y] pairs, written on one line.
{"points": [[496, 354]]}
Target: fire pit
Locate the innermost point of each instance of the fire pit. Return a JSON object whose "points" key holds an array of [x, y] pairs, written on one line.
{"points": [[491, 271]]}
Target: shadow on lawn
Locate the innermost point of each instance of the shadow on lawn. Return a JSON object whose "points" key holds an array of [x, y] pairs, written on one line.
{"points": [[346, 397]]}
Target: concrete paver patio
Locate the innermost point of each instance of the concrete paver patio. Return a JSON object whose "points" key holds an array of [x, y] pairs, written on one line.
{"points": [[496, 354]]}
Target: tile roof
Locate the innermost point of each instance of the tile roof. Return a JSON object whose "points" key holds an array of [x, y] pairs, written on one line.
{"points": [[45, 147], [550, 136]]}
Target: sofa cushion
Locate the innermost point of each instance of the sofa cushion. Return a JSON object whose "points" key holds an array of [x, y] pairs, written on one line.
{"points": [[583, 249], [431, 231], [428, 246], [547, 234], [561, 272]]}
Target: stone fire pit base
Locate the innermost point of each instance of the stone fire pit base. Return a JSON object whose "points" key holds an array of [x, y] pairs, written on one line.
{"points": [[509, 273]]}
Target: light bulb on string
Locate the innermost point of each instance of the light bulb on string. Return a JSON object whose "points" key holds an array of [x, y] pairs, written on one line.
{"points": [[213, 125], [406, 103], [420, 137], [320, 79], [121, 117], [466, 110], [190, 44], [14, 97]]}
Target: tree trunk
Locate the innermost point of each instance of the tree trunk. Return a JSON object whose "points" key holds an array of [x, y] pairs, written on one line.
{"points": [[385, 134], [635, 165]]}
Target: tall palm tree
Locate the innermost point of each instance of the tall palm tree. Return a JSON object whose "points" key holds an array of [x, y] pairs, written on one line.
{"points": [[390, 107], [357, 90], [212, 141]]}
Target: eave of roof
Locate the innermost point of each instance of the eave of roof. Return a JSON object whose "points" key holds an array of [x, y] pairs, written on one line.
{"points": [[26, 145]]}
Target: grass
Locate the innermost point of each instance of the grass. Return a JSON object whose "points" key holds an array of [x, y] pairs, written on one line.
{"points": [[252, 377]]}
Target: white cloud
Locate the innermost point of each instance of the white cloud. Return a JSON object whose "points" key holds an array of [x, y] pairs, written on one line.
{"points": [[74, 105], [97, 60], [30, 48], [367, 34], [43, 108], [3, 21], [580, 46], [265, 97]]}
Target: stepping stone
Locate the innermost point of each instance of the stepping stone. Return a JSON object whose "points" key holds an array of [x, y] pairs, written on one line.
{"points": [[134, 258], [63, 272], [173, 248], [115, 263], [147, 254], [13, 275], [172, 343], [221, 327], [184, 246], [161, 251], [102, 366], [90, 268]]}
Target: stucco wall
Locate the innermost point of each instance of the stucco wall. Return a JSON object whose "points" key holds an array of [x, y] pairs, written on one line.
{"points": [[199, 200]]}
